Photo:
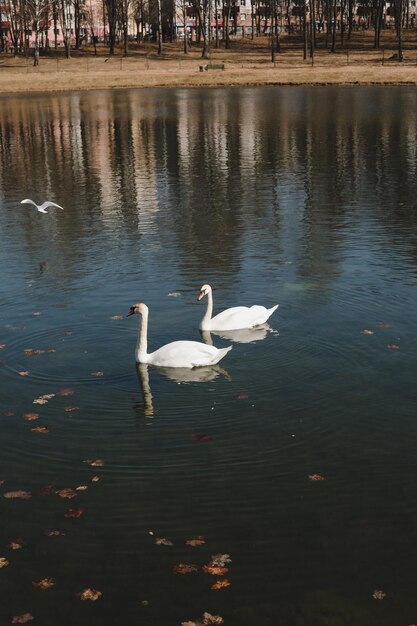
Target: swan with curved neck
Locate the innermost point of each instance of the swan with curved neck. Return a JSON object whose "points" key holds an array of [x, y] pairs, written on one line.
{"points": [[175, 354], [235, 318]]}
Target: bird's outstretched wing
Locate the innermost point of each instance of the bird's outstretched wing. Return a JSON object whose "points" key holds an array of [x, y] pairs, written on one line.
{"points": [[28, 201], [47, 204]]}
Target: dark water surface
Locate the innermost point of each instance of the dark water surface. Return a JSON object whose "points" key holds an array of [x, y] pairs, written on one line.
{"points": [[304, 197]]}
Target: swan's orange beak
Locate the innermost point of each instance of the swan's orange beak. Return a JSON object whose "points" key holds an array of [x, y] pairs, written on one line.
{"points": [[131, 311], [202, 294]]}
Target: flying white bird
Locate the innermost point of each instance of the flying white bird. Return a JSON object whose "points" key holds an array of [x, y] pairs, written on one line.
{"points": [[41, 207]]}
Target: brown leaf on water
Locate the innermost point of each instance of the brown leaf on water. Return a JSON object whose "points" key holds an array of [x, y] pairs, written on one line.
{"points": [[65, 392], [215, 570], [20, 494], [40, 429], [37, 313], [81, 488], [31, 416], [208, 619], [2, 346], [16, 544], [198, 541], [242, 395], [90, 594], [39, 351], [24, 373], [94, 462], [220, 584], [185, 568], [316, 477], [97, 373], [378, 594], [22, 619], [45, 583], [43, 399], [69, 409], [54, 532], [47, 490], [366, 331], [67, 493], [95, 479], [117, 317], [393, 346], [50, 350], [74, 513], [162, 541], [384, 325], [3, 562], [28, 352]]}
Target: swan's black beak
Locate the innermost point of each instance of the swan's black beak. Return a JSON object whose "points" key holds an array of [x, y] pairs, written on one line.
{"points": [[202, 294], [131, 311]]}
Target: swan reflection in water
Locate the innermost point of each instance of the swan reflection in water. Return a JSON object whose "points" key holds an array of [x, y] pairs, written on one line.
{"points": [[243, 335], [178, 375]]}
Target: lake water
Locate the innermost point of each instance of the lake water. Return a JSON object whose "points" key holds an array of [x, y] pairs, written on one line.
{"points": [[302, 196]]}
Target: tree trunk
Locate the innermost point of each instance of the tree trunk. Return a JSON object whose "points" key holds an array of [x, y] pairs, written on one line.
{"points": [[159, 27]]}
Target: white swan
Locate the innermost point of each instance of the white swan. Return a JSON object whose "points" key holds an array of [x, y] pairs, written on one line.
{"points": [[175, 354], [41, 207], [236, 318]]}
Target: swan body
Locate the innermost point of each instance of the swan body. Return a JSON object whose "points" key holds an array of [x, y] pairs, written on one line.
{"points": [[235, 318], [41, 207], [176, 354]]}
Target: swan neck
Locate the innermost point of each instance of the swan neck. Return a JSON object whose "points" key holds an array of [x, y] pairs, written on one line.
{"points": [[205, 322], [142, 343]]}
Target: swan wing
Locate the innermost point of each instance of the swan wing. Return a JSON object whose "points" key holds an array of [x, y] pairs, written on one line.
{"points": [[186, 354], [239, 317]]}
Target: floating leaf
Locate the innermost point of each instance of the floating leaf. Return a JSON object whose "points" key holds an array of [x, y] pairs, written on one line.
{"points": [[82, 488], [44, 399], [74, 513], [3, 562], [198, 541], [366, 331], [28, 352], [215, 570], [212, 619], [378, 594], [40, 429], [38, 351], [220, 584], [54, 532], [174, 294], [65, 392], [384, 325], [94, 462], [116, 317], [47, 490], [31, 416], [95, 479], [22, 619], [2, 346], [163, 542], [203, 437], [220, 559], [242, 395], [69, 409], [97, 373], [24, 373], [183, 568], [2, 482], [393, 346], [67, 493], [17, 495], [37, 313], [15, 544], [90, 594], [45, 583], [316, 477], [51, 350]]}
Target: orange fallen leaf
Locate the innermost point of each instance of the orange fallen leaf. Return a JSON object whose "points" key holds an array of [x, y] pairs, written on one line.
{"points": [[20, 494], [65, 392], [3, 562], [183, 568], [95, 479], [220, 559], [51, 350], [378, 594], [161, 541], [198, 541], [220, 584], [366, 331], [22, 619], [45, 583], [15, 544], [81, 488], [67, 493], [116, 317], [28, 352], [40, 429], [43, 399], [2, 482], [74, 513], [215, 570], [2, 346], [68, 409], [97, 373], [24, 373], [94, 462], [31, 416], [90, 594], [316, 477], [393, 346], [208, 619]]}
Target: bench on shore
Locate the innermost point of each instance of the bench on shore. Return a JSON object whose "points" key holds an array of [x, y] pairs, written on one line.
{"points": [[214, 66]]}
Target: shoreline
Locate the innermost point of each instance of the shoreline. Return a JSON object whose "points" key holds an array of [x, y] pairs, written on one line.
{"points": [[242, 68]]}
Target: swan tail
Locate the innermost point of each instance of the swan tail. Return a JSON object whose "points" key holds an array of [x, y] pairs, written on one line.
{"points": [[222, 353], [271, 310]]}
